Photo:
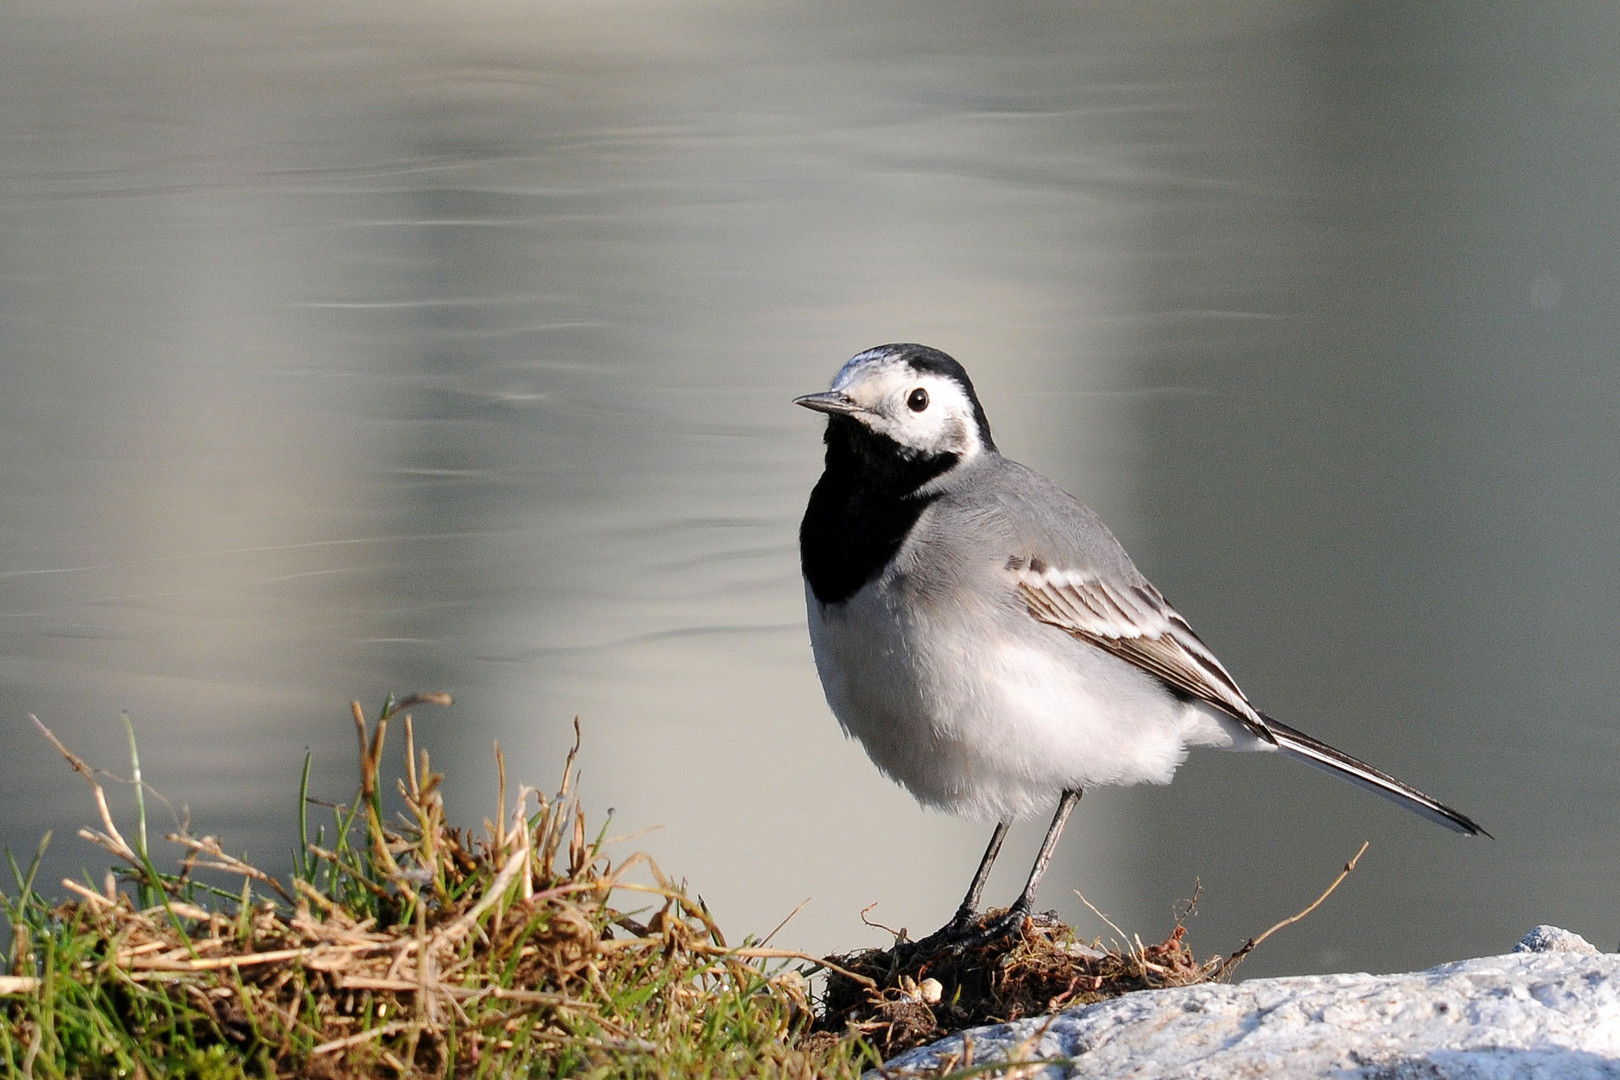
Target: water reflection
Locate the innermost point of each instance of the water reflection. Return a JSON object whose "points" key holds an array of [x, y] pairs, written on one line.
{"points": [[453, 351]]}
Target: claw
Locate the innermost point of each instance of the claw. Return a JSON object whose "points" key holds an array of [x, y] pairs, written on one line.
{"points": [[968, 931]]}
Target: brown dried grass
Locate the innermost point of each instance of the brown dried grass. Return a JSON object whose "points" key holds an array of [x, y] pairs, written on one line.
{"points": [[924, 991], [405, 947]]}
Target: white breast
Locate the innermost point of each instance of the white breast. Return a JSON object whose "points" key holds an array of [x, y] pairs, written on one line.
{"points": [[979, 709]]}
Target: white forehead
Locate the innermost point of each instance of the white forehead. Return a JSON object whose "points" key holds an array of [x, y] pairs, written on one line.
{"points": [[878, 374], [873, 374], [869, 365]]}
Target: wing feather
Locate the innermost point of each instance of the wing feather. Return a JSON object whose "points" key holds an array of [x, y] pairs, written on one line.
{"points": [[1138, 625]]}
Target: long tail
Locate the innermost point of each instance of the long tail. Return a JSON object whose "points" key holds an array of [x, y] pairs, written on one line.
{"points": [[1298, 745]]}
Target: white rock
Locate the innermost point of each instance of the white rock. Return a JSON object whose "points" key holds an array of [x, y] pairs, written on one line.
{"points": [[1527, 1014], [1553, 939]]}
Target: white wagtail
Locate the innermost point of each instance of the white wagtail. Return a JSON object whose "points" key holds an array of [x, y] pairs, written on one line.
{"points": [[986, 638]]}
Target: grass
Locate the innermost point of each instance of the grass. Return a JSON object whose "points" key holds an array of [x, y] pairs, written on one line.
{"points": [[400, 946]]}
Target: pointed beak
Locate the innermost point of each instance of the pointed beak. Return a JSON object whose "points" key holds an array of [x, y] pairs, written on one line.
{"points": [[828, 401]]}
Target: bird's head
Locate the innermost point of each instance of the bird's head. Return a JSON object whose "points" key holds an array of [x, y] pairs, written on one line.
{"points": [[914, 397]]}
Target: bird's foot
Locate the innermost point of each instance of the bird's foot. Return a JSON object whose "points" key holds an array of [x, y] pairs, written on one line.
{"points": [[992, 928], [967, 930]]}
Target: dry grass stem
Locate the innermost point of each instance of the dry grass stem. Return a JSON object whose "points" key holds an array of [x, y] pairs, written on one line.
{"points": [[1231, 962]]}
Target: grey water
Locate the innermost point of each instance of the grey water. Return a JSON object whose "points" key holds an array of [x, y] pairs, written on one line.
{"points": [[393, 347]]}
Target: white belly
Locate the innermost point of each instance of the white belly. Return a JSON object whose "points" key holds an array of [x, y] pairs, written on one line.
{"points": [[1009, 714]]}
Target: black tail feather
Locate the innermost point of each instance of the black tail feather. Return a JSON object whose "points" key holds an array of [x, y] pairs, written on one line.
{"points": [[1298, 745]]}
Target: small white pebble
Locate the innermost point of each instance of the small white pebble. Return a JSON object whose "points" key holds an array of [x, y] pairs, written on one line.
{"points": [[929, 991]]}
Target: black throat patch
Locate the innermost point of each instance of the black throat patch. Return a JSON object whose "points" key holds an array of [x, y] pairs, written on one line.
{"points": [[862, 508]]}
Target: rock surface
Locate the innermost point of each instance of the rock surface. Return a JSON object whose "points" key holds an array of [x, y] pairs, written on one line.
{"points": [[1549, 1009], [1553, 939]]}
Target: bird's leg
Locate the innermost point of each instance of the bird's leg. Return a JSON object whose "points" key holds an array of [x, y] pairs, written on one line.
{"points": [[970, 903], [960, 931], [1026, 901], [1013, 918]]}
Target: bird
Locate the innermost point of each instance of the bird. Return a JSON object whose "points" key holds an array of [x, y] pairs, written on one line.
{"points": [[985, 637]]}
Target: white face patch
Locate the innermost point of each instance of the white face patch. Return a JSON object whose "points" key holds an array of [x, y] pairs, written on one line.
{"points": [[920, 410]]}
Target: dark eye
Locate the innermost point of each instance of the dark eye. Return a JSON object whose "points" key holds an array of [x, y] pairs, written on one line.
{"points": [[918, 401]]}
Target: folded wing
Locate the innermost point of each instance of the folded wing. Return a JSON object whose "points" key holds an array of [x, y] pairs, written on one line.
{"points": [[1137, 624]]}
